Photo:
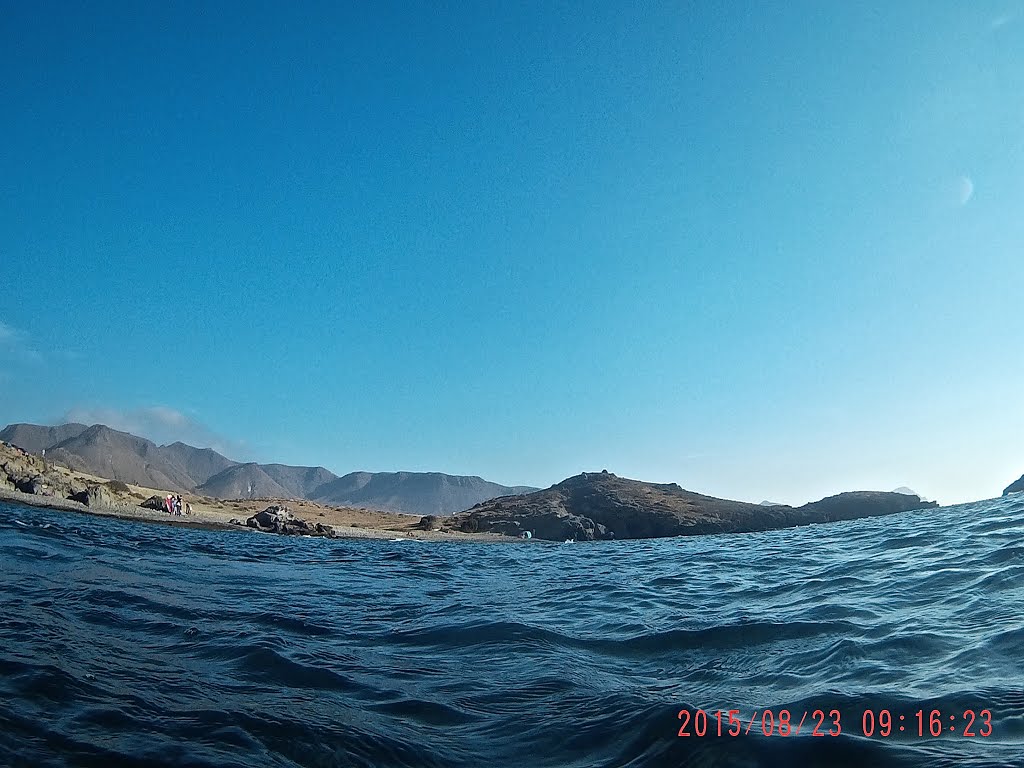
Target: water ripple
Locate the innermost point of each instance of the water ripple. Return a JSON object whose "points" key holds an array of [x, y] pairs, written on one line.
{"points": [[124, 644]]}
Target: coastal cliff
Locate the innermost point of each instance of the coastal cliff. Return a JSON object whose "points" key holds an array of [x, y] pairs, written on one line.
{"points": [[601, 505]]}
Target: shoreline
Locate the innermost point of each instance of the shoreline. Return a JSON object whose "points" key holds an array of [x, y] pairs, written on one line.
{"points": [[30, 480], [138, 514], [206, 520], [586, 507]]}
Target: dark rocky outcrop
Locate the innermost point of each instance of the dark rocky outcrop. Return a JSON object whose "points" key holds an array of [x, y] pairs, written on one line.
{"points": [[98, 496], [17, 466], [154, 502], [24, 472], [602, 505], [1014, 487], [47, 484], [553, 525], [281, 520]]}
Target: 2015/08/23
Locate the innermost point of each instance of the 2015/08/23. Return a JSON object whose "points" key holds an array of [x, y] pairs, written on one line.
{"points": [[885, 723]]}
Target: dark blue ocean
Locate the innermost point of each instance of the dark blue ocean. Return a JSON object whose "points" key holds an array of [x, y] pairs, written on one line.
{"points": [[140, 645]]}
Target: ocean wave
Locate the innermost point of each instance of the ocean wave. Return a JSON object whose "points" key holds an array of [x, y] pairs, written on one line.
{"points": [[123, 644]]}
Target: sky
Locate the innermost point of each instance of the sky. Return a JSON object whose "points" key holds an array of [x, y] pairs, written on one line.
{"points": [[764, 250]]}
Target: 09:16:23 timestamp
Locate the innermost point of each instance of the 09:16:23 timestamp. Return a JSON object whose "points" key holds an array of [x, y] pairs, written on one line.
{"points": [[931, 723]]}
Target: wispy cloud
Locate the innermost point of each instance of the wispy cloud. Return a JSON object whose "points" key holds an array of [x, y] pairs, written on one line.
{"points": [[161, 424], [965, 189], [1002, 21], [11, 336], [15, 344]]}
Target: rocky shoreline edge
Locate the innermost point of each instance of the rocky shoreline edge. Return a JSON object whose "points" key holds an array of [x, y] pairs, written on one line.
{"points": [[142, 515], [122, 513], [587, 507]]}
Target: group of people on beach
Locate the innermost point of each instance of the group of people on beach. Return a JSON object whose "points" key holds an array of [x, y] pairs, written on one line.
{"points": [[175, 505]]}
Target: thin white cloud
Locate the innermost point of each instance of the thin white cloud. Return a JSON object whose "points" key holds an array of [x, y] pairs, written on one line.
{"points": [[168, 417], [161, 424], [1002, 21], [15, 344], [965, 189], [11, 336]]}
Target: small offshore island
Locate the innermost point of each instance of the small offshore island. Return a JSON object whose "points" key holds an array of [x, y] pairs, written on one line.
{"points": [[591, 506]]}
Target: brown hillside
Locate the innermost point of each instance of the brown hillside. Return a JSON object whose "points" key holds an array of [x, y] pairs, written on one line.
{"points": [[601, 505]]}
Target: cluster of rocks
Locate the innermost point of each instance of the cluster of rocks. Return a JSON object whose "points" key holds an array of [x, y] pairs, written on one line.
{"points": [[280, 520], [434, 523]]}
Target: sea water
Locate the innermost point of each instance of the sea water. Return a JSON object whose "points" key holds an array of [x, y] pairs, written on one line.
{"points": [[131, 644]]}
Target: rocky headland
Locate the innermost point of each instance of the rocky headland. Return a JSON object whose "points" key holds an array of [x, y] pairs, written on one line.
{"points": [[601, 505], [1015, 487]]}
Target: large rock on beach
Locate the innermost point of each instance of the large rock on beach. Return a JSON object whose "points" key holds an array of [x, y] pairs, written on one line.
{"points": [[154, 502], [281, 520], [429, 523], [99, 496], [96, 496]]}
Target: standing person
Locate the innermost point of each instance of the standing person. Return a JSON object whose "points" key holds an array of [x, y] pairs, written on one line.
{"points": [[177, 505], [169, 503]]}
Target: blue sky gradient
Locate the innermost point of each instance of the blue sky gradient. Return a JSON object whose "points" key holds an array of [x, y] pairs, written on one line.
{"points": [[772, 250]]}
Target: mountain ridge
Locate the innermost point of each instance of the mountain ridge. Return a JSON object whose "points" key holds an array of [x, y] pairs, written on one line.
{"points": [[106, 452], [385, 488]]}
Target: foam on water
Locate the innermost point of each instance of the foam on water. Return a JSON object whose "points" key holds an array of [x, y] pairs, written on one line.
{"points": [[129, 644]]}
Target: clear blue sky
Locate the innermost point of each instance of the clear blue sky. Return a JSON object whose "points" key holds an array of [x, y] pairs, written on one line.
{"points": [[765, 250]]}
